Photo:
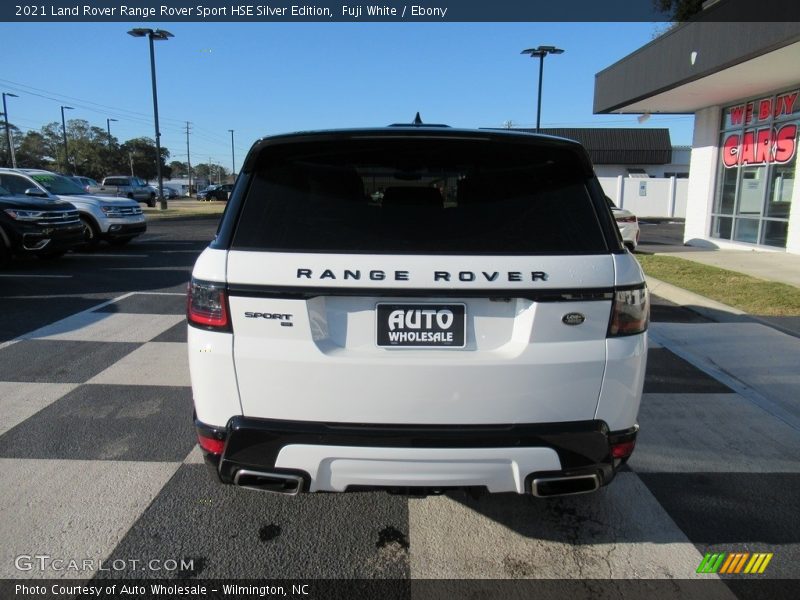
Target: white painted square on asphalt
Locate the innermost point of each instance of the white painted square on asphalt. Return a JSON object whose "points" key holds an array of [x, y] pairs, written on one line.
{"points": [[620, 531], [71, 509], [106, 327], [195, 457], [154, 363], [18, 401]]}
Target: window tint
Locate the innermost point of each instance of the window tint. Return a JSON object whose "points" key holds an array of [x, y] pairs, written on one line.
{"points": [[56, 184], [15, 184], [429, 196]]}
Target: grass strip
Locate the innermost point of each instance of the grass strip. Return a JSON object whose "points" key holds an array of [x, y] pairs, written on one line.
{"points": [[750, 294]]}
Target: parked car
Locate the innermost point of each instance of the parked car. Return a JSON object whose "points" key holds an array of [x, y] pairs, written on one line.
{"points": [[481, 326], [169, 192], [42, 227], [627, 223], [126, 187], [203, 194], [219, 192], [84, 182], [116, 220]]}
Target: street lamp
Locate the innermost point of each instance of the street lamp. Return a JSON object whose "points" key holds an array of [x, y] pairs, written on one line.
{"points": [[233, 156], [108, 128], [64, 133], [8, 129], [541, 52], [157, 35]]}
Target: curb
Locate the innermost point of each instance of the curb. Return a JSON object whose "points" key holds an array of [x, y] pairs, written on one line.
{"points": [[706, 307]]}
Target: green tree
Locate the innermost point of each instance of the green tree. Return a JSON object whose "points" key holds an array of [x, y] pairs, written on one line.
{"points": [[679, 10], [142, 152], [33, 152], [179, 169]]}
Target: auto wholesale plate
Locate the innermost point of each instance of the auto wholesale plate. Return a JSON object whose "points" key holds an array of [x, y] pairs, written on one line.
{"points": [[421, 325]]}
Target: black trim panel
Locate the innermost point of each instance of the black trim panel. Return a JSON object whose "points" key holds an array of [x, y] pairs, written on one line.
{"points": [[307, 292], [255, 443]]}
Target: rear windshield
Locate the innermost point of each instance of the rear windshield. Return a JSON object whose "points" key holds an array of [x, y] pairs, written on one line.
{"points": [[422, 196]]}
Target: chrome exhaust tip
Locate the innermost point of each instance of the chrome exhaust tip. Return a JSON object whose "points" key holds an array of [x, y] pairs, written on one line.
{"points": [[274, 483], [546, 487]]}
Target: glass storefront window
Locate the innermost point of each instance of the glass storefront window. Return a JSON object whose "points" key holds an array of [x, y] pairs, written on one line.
{"points": [[746, 230], [757, 169]]}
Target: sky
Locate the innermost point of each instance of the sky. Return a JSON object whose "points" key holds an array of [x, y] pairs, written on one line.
{"points": [[267, 78]]}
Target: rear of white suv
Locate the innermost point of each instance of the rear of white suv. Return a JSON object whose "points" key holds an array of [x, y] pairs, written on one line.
{"points": [[417, 309]]}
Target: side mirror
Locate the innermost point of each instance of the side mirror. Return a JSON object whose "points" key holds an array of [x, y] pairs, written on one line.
{"points": [[36, 192]]}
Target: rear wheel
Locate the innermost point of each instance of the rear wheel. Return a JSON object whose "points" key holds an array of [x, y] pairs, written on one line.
{"points": [[91, 234]]}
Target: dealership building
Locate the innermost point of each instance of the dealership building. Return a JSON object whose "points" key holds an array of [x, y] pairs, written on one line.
{"points": [[742, 83]]}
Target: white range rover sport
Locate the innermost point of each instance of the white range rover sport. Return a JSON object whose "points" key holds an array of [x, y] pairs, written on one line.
{"points": [[417, 308]]}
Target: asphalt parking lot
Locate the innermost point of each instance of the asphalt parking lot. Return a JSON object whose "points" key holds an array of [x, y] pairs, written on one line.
{"points": [[99, 461]]}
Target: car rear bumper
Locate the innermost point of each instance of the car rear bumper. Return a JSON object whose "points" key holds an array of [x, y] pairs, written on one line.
{"points": [[347, 457]]}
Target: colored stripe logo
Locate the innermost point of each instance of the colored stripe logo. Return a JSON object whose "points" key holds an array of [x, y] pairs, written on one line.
{"points": [[735, 563]]}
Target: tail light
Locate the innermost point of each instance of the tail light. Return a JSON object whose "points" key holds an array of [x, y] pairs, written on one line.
{"points": [[630, 312], [631, 219], [207, 306], [210, 444]]}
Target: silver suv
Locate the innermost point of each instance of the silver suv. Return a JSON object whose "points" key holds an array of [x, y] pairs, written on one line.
{"points": [[417, 308], [116, 220]]}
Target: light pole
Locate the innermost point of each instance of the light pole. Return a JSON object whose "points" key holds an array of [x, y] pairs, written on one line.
{"points": [[233, 156], [64, 133], [151, 35], [108, 128], [541, 52], [8, 129]]}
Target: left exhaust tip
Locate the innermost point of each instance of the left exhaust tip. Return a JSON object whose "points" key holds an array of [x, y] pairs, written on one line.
{"points": [[275, 483], [545, 487]]}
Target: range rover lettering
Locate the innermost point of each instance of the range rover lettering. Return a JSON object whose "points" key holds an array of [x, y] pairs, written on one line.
{"points": [[456, 309]]}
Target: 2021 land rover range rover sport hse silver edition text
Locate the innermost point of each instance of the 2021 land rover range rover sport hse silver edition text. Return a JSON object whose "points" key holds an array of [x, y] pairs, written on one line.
{"points": [[417, 309]]}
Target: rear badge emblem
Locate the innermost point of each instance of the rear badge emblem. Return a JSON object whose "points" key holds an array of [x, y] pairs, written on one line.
{"points": [[573, 318]]}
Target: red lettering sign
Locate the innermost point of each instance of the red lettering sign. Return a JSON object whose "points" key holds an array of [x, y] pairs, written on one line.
{"points": [[760, 147], [764, 109], [785, 143]]}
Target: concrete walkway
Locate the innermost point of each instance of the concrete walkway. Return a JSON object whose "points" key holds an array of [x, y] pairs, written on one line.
{"points": [[772, 266], [757, 356]]}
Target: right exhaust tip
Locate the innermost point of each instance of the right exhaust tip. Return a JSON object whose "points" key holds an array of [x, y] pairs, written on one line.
{"points": [[546, 487]]}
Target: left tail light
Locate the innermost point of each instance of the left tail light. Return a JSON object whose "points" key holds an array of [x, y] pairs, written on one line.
{"points": [[631, 219], [207, 306], [630, 312]]}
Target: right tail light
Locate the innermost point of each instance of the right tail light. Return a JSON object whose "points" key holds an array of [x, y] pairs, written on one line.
{"points": [[630, 312]]}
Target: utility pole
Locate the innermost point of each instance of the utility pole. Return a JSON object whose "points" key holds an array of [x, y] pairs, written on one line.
{"points": [[130, 158], [188, 157], [8, 129], [233, 156]]}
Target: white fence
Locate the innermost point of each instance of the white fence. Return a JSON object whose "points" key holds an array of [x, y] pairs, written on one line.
{"points": [[648, 197]]}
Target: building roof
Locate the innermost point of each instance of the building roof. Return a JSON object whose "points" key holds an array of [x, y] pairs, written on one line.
{"points": [[715, 59], [618, 146]]}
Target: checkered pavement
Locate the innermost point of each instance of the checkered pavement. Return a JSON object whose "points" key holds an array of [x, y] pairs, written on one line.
{"points": [[98, 461]]}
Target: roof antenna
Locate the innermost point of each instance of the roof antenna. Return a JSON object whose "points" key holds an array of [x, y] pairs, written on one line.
{"points": [[417, 120]]}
